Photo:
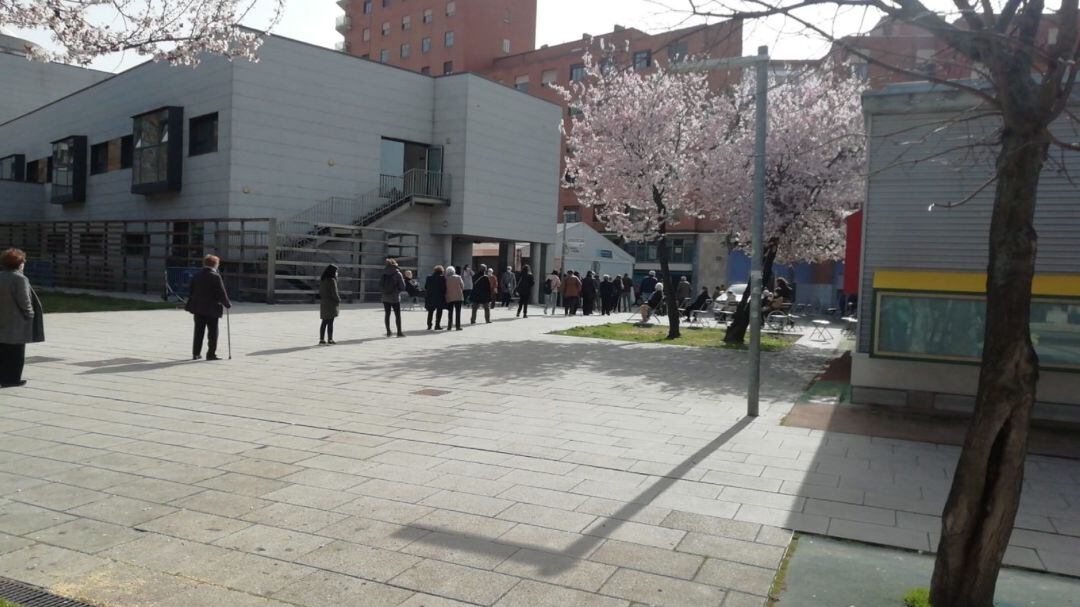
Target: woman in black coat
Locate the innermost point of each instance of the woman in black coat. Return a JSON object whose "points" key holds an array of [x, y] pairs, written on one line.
{"points": [[435, 297], [524, 290], [588, 293], [608, 293]]}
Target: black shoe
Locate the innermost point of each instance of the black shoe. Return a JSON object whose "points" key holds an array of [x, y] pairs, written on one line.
{"points": [[196, 357], [459, 328], [331, 342], [400, 334], [213, 357], [389, 334], [438, 328], [18, 384], [322, 342]]}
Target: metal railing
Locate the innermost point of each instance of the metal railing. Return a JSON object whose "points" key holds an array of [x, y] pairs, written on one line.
{"points": [[415, 182]]}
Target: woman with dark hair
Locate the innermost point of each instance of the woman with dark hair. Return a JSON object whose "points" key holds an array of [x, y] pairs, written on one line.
{"points": [[524, 290], [21, 318], [329, 303], [435, 297]]}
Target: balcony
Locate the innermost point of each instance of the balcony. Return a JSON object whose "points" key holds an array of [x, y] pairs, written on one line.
{"points": [[422, 186], [342, 47], [343, 24]]}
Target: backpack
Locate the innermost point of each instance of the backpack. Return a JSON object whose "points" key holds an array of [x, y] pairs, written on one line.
{"points": [[547, 287]]}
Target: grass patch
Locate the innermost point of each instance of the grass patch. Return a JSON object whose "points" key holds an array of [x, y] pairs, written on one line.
{"points": [[55, 302], [657, 334], [780, 581], [920, 597], [4, 603]]}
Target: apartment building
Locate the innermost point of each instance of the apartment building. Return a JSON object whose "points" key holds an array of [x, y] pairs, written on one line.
{"points": [[439, 36], [334, 156]]}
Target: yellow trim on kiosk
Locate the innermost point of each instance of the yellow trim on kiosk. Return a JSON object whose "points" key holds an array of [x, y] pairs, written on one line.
{"points": [[1065, 285]]}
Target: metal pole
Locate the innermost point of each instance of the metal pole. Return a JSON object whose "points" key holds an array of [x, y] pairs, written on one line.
{"points": [[758, 230]]}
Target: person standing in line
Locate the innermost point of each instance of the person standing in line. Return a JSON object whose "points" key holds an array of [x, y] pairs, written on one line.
{"points": [[207, 302], [571, 293], [608, 295], [588, 294], [483, 294], [524, 290], [435, 296], [648, 286], [507, 286], [683, 291], [467, 280], [455, 294], [392, 284], [627, 295], [329, 304], [552, 286], [22, 319]]}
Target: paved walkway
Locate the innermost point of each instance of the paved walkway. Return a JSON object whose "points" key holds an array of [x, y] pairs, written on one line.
{"points": [[495, 466]]}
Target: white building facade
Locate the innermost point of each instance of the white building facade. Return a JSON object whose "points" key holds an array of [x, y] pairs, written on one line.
{"points": [[304, 136]]}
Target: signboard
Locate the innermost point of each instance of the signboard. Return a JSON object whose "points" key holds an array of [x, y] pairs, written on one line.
{"points": [[575, 246], [606, 253]]}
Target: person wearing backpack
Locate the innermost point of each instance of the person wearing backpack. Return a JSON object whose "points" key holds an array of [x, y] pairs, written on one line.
{"points": [[392, 284], [552, 286]]}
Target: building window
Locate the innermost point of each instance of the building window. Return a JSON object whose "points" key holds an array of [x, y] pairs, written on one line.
{"points": [[367, 7], [203, 131], [574, 112], [448, 38], [507, 15], [676, 51], [69, 170], [642, 60], [451, 8], [448, 67], [386, 28], [384, 56], [159, 145], [12, 168], [506, 46], [607, 66], [99, 158], [37, 171], [406, 50], [127, 147], [425, 45], [136, 245], [521, 83], [31, 171], [571, 215], [367, 34], [428, 15], [426, 70], [406, 22], [548, 77], [577, 72], [386, 3]]}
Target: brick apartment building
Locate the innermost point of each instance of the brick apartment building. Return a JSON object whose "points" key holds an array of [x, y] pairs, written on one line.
{"points": [[437, 37]]}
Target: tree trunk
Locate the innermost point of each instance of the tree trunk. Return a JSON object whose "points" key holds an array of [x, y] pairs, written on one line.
{"points": [[669, 285], [985, 494], [736, 331]]}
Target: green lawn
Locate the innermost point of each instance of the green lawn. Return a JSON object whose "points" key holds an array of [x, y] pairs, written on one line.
{"points": [[699, 338], [55, 302], [4, 603]]}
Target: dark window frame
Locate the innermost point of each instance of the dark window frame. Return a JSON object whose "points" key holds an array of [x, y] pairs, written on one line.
{"points": [[99, 158], [198, 143], [18, 167], [425, 45], [173, 148], [646, 55], [368, 6], [448, 67], [577, 69], [677, 50], [75, 192]]}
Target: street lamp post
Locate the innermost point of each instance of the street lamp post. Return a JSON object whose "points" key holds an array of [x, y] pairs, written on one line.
{"points": [[761, 64]]}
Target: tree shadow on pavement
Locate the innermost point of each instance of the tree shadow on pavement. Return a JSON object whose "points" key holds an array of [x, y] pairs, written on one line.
{"points": [[596, 533]]}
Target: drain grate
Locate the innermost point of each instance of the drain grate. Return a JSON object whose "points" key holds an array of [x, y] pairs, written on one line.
{"points": [[34, 360], [110, 362], [26, 595], [431, 392]]}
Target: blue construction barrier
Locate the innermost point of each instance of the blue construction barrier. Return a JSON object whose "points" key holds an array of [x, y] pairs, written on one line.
{"points": [[179, 282]]}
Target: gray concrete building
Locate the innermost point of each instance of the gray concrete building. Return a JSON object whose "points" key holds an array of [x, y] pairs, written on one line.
{"points": [[334, 150], [31, 84], [922, 299]]}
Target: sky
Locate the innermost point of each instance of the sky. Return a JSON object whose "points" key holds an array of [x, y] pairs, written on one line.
{"points": [[557, 21]]}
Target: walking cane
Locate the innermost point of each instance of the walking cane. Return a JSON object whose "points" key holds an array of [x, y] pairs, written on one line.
{"points": [[228, 332]]}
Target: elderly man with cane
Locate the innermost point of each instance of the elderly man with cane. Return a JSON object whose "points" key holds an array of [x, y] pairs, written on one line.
{"points": [[207, 303]]}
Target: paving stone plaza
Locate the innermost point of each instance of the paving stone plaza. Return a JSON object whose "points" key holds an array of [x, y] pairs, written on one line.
{"points": [[500, 465]]}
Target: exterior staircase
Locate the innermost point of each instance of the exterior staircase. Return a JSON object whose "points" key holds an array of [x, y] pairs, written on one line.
{"points": [[346, 232]]}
